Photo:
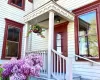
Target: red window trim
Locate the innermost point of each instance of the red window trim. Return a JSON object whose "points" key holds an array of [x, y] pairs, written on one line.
{"points": [[13, 23], [23, 4], [87, 8]]}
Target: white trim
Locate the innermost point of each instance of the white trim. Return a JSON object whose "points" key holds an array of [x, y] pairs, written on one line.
{"points": [[59, 54], [51, 5], [85, 58], [26, 39]]}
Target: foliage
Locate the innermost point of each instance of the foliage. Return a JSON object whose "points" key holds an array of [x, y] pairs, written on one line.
{"points": [[1, 70], [36, 29], [21, 69]]}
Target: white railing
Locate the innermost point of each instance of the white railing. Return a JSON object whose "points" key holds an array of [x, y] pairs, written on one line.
{"points": [[62, 66], [43, 53], [85, 58]]}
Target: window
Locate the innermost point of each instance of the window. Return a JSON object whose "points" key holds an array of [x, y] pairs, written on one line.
{"points": [[12, 40], [88, 39], [87, 36], [17, 3]]}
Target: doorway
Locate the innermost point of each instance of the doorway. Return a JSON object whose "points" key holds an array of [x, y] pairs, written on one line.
{"points": [[60, 44]]}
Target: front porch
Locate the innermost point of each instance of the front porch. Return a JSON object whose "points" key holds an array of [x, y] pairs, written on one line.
{"points": [[55, 64]]}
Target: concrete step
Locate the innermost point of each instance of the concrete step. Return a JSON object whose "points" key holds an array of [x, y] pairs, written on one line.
{"points": [[61, 76]]}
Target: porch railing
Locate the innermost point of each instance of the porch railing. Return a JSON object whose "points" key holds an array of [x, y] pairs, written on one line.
{"points": [[43, 53], [85, 58], [62, 66]]}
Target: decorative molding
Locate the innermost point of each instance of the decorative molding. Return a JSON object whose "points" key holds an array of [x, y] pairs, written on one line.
{"points": [[51, 5]]}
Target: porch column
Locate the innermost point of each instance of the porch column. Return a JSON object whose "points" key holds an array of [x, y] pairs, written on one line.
{"points": [[26, 39], [50, 40]]}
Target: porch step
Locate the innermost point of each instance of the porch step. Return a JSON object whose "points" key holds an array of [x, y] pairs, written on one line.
{"points": [[59, 77], [85, 79], [55, 77], [42, 77]]}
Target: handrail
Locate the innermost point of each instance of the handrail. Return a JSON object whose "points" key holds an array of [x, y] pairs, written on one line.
{"points": [[88, 59], [59, 54], [62, 66]]}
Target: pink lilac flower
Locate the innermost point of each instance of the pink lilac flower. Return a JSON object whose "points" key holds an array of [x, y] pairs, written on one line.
{"points": [[22, 68], [25, 69], [32, 71], [18, 77], [15, 69]]}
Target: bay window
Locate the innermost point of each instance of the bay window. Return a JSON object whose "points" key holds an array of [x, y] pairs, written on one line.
{"points": [[87, 31]]}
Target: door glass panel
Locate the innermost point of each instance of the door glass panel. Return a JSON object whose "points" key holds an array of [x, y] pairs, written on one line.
{"points": [[88, 39], [59, 42], [12, 42], [58, 36]]}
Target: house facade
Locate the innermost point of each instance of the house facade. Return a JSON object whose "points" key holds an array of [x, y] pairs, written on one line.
{"points": [[70, 49], [11, 13]]}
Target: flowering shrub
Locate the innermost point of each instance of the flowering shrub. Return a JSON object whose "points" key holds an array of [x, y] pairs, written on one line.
{"points": [[21, 69]]}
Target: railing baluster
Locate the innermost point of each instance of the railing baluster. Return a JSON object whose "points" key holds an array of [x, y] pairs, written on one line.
{"points": [[63, 68], [54, 63], [44, 63], [57, 64], [43, 54], [60, 66]]}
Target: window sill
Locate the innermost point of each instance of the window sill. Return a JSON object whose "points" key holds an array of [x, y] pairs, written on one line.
{"points": [[83, 60], [8, 58]]}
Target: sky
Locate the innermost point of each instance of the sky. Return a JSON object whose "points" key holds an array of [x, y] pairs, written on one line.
{"points": [[88, 17]]}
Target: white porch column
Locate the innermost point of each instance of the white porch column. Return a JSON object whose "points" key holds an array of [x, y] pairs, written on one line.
{"points": [[25, 39], [69, 74], [50, 40]]}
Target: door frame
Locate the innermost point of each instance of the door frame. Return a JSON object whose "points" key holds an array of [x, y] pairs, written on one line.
{"points": [[64, 24]]}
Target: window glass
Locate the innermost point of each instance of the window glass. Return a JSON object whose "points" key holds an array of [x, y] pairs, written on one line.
{"points": [[12, 41], [11, 49], [88, 39], [17, 2]]}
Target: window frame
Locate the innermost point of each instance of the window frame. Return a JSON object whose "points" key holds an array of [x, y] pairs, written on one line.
{"points": [[82, 10], [23, 4], [14, 24]]}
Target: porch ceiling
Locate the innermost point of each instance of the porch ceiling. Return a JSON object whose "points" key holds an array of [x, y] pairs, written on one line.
{"points": [[44, 9]]}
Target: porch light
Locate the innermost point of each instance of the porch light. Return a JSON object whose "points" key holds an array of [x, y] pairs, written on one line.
{"points": [[57, 18]]}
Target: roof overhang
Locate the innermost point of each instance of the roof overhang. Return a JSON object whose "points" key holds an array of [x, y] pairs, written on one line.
{"points": [[51, 5]]}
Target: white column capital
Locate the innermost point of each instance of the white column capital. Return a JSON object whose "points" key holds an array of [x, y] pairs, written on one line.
{"points": [[52, 11]]}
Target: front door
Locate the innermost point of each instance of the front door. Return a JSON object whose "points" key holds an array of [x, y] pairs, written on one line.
{"points": [[60, 38], [60, 43]]}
